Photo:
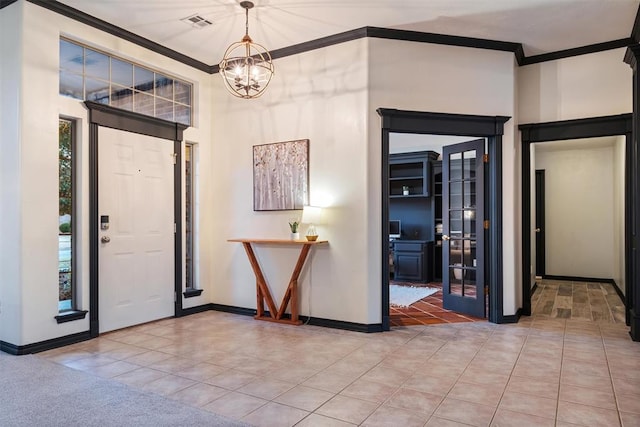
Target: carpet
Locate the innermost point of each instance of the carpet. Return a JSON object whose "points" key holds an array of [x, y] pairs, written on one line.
{"points": [[404, 296], [37, 392]]}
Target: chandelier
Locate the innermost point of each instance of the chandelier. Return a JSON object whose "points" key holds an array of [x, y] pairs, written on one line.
{"points": [[246, 68]]}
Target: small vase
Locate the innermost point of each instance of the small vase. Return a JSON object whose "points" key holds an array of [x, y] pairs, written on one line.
{"points": [[295, 236]]}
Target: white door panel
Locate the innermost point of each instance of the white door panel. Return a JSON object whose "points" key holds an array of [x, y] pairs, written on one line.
{"points": [[136, 267]]}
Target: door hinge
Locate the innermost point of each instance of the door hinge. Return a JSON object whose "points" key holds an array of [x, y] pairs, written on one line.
{"points": [[486, 289], [175, 158], [175, 228], [485, 158], [486, 224], [175, 296]]}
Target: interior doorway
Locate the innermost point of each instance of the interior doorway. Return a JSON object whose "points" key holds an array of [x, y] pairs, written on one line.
{"points": [[579, 130], [491, 128]]}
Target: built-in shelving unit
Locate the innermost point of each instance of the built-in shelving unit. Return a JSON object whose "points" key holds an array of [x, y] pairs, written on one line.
{"points": [[409, 174]]}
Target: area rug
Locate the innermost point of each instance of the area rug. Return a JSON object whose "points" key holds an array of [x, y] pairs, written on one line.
{"points": [[404, 296], [37, 392]]}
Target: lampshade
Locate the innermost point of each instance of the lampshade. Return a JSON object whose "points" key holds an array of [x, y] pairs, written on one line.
{"points": [[246, 68], [311, 215]]}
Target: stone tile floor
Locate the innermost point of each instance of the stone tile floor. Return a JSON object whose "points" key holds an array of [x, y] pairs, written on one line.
{"points": [[541, 371], [577, 300]]}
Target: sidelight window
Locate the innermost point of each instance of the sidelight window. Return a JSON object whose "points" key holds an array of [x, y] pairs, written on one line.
{"points": [[66, 243]]}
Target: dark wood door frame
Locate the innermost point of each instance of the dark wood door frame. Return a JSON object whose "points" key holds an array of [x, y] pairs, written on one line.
{"points": [[103, 115], [490, 127], [540, 224], [577, 129]]}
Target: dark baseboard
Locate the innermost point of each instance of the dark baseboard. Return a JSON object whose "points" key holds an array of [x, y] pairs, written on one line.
{"points": [[577, 279], [534, 287], [19, 350], [195, 310], [619, 292], [339, 324], [315, 321], [512, 318]]}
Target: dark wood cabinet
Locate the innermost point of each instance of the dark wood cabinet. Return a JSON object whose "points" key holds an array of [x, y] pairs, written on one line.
{"points": [[409, 174], [412, 260]]}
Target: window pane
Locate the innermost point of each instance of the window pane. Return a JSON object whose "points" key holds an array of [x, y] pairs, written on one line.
{"points": [[122, 98], [164, 86], [71, 56], [121, 73], [96, 64], [71, 85], [65, 211], [182, 92], [164, 109], [143, 103], [183, 114], [97, 91], [143, 79]]}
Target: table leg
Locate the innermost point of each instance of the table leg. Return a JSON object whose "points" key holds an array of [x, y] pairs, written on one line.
{"points": [[292, 290], [261, 284]]}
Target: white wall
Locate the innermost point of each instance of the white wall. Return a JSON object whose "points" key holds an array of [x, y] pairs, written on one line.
{"points": [[618, 213], [33, 145], [319, 95], [11, 110], [579, 205], [597, 84], [451, 80]]}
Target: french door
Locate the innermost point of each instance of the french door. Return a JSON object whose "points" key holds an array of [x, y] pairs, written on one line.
{"points": [[463, 228]]}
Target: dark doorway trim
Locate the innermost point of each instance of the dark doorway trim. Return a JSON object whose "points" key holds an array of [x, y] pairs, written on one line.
{"points": [[103, 115], [577, 129], [541, 264], [490, 127]]}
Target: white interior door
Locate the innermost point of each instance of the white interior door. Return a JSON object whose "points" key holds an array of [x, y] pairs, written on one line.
{"points": [[136, 255]]}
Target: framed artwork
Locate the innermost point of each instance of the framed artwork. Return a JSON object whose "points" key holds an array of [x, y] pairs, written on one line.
{"points": [[281, 175]]}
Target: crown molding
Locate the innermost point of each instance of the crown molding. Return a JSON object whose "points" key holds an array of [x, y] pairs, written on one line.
{"points": [[107, 27], [373, 32]]}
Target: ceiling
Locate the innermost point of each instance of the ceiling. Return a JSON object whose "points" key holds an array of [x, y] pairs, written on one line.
{"points": [[541, 26]]}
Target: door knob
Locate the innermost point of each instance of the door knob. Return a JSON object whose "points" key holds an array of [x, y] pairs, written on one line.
{"points": [[538, 230], [445, 237], [105, 239]]}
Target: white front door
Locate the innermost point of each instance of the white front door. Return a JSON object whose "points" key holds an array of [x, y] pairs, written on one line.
{"points": [[136, 254]]}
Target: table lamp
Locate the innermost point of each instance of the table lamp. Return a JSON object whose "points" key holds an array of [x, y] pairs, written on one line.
{"points": [[311, 215]]}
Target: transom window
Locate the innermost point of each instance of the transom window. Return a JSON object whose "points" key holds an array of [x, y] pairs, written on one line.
{"points": [[91, 75]]}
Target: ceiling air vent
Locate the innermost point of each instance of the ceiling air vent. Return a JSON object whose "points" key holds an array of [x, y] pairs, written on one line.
{"points": [[197, 21]]}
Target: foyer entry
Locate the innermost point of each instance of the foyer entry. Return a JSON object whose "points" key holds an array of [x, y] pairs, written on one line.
{"points": [[135, 244], [135, 203]]}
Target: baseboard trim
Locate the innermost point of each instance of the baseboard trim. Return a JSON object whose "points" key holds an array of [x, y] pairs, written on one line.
{"points": [[577, 279], [195, 310], [315, 321], [513, 318], [19, 350], [534, 287]]}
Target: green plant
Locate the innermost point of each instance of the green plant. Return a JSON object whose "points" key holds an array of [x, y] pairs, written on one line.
{"points": [[65, 227], [294, 226]]}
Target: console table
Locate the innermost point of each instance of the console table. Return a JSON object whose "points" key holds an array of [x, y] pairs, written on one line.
{"points": [[262, 290]]}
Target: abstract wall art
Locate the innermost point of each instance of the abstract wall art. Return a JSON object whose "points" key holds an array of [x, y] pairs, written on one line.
{"points": [[281, 175]]}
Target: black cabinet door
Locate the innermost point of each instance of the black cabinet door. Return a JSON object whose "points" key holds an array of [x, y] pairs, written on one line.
{"points": [[463, 228], [409, 266]]}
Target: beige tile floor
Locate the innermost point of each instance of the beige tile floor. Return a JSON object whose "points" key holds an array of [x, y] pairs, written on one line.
{"points": [[539, 372]]}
